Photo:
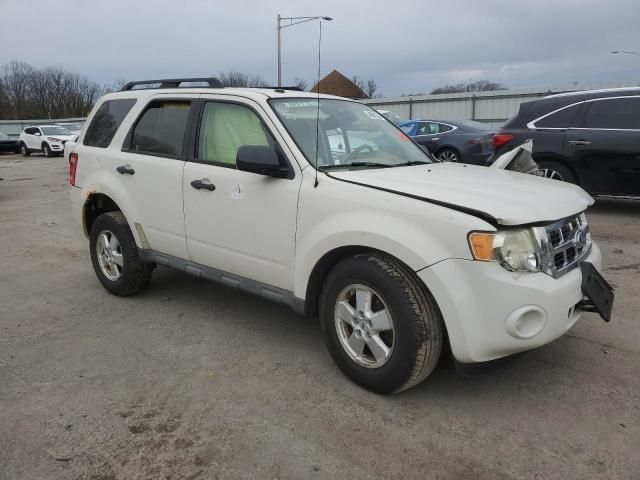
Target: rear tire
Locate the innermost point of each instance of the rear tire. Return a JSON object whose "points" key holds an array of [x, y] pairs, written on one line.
{"points": [[24, 150], [556, 171], [449, 155], [119, 268], [414, 341]]}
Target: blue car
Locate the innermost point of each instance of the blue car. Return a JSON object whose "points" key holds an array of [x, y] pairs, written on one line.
{"points": [[464, 141]]}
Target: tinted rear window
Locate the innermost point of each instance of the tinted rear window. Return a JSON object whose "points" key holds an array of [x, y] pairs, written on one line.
{"points": [[618, 113], [106, 121], [161, 128], [560, 119]]}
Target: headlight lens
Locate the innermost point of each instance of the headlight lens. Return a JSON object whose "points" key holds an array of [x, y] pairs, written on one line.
{"points": [[53, 139], [516, 250]]}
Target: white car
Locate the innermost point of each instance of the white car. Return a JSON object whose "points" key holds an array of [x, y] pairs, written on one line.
{"points": [[48, 139], [397, 254]]}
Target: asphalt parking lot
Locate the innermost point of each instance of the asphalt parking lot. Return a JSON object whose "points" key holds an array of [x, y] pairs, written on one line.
{"points": [[193, 380]]}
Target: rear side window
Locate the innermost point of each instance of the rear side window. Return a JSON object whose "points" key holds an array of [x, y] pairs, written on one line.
{"points": [[225, 128], [106, 122], [560, 119], [161, 128], [617, 113]]}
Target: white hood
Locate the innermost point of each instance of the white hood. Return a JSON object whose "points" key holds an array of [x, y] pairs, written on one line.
{"points": [[510, 198]]}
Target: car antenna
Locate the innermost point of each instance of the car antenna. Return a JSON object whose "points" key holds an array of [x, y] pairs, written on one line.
{"points": [[315, 184]]}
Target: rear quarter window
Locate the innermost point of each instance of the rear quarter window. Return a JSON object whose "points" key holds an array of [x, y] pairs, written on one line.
{"points": [[560, 119], [106, 121]]}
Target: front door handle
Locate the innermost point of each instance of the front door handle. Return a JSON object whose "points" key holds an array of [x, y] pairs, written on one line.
{"points": [[125, 170], [579, 142], [203, 184]]}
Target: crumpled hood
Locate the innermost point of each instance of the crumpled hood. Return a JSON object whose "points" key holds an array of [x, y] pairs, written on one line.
{"points": [[500, 196]]}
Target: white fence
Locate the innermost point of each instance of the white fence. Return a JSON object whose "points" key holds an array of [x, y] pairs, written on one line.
{"points": [[493, 108], [14, 127]]}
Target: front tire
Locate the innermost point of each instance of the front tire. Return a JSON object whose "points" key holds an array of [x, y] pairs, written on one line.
{"points": [[381, 326], [556, 171], [114, 255], [47, 150]]}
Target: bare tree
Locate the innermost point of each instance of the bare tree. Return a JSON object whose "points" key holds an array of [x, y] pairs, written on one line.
{"points": [[479, 86], [27, 92], [301, 83], [368, 87], [241, 79]]}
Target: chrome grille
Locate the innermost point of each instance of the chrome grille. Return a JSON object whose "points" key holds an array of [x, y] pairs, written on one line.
{"points": [[568, 241]]}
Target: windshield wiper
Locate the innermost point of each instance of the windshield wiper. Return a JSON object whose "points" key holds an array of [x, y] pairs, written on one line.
{"points": [[357, 164], [411, 163]]}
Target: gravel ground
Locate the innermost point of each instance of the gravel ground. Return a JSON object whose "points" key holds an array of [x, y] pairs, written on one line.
{"points": [[193, 380]]}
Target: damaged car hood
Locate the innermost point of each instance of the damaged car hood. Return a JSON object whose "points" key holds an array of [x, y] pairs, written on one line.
{"points": [[500, 196]]}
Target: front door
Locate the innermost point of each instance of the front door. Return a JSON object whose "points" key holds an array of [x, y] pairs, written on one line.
{"points": [[238, 222]]}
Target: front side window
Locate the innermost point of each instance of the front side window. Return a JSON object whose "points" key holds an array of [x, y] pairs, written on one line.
{"points": [[161, 129], [560, 119], [617, 113], [226, 127], [106, 121], [341, 133]]}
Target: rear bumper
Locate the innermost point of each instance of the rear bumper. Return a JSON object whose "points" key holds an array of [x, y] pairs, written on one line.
{"points": [[490, 312]]}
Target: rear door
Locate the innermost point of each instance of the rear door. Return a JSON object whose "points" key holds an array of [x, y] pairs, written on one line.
{"points": [[150, 168], [604, 146]]}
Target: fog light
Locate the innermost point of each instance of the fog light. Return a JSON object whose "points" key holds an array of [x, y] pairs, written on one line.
{"points": [[526, 322]]}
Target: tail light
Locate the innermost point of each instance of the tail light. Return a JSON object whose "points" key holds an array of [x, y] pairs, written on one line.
{"points": [[73, 164], [500, 139]]}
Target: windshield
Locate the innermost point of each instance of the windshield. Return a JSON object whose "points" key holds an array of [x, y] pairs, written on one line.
{"points": [[55, 131], [350, 134]]}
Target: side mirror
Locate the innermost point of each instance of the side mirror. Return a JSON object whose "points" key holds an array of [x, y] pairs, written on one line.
{"points": [[260, 159], [37, 134]]}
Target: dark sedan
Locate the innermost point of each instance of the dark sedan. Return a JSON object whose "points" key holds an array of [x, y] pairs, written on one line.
{"points": [[8, 145], [463, 141]]}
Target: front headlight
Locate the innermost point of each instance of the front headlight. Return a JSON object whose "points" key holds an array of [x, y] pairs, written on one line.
{"points": [[516, 250], [53, 139]]}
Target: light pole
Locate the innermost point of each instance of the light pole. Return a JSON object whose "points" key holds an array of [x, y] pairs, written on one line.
{"points": [[627, 52], [292, 21]]}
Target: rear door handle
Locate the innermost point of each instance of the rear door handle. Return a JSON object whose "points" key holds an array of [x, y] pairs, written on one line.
{"points": [[203, 183], [435, 139], [579, 142], [125, 170]]}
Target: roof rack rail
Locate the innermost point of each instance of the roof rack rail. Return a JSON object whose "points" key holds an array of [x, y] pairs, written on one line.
{"points": [[174, 83], [294, 89]]}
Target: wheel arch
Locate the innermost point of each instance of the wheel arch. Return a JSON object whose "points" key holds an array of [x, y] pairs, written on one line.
{"points": [[95, 205], [324, 265], [550, 157]]}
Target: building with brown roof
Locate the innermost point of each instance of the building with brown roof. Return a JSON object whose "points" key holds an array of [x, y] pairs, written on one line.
{"points": [[337, 84]]}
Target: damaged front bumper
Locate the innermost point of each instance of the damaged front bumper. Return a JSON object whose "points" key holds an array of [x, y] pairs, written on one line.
{"points": [[490, 312]]}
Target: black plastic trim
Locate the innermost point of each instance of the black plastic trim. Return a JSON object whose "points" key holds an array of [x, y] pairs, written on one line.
{"points": [[269, 292]]}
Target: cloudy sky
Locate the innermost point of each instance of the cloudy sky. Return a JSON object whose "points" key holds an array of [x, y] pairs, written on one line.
{"points": [[407, 46]]}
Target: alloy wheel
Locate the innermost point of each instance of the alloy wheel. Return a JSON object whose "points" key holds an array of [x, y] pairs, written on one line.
{"points": [[109, 254], [448, 156], [550, 173], [364, 326]]}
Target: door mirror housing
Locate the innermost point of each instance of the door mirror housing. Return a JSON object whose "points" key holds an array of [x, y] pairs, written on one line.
{"points": [[261, 159], [37, 134]]}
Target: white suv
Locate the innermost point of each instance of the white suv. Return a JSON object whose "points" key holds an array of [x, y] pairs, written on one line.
{"points": [[396, 253], [48, 139]]}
